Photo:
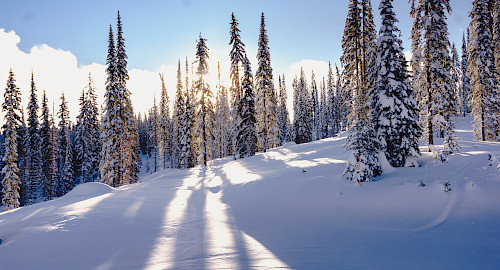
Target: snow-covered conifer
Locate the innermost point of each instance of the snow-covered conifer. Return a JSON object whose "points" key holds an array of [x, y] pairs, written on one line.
{"points": [[392, 100], [165, 126], [222, 127], [283, 116], [11, 183], [482, 72], [302, 120], [464, 80], [246, 138], [265, 101], [48, 149]]}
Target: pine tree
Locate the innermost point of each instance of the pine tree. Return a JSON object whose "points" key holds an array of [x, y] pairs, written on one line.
{"points": [[11, 183], [265, 106], [68, 177], [153, 131], [177, 120], [357, 59], [302, 115], [119, 156], [315, 108], [482, 72], [331, 115], [323, 111], [464, 80], [222, 128], [246, 139], [205, 111], [392, 101], [165, 128], [283, 116], [431, 65], [62, 144], [22, 157], [47, 148], [187, 140], [34, 164]]}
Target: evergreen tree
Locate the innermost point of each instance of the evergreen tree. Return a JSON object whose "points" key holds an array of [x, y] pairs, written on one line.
{"points": [[222, 129], [34, 164], [283, 116], [187, 140], [11, 183], [392, 101], [68, 177], [119, 156], [237, 58], [246, 139], [177, 120], [205, 111], [165, 128], [153, 131], [48, 149], [63, 138], [315, 109], [496, 35], [265, 107], [302, 119], [331, 117], [464, 80], [483, 74], [357, 59], [431, 65], [323, 112], [22, 132]]}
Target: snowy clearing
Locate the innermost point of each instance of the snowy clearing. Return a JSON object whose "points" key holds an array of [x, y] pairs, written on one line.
{"points": [[288, 208]]}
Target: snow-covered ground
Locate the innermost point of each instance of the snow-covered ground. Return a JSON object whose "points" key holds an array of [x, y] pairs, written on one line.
{"points": [[287, 208]]}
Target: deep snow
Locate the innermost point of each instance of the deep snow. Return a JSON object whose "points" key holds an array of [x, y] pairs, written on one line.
{"points": [[266, 212]]}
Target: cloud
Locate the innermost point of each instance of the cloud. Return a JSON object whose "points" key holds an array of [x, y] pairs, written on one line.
{"points": [[57, 71]]}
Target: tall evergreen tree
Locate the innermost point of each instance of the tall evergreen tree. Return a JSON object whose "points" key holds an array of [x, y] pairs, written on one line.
{"points": [[496, 35], [34, 164], [11, 183], [357, 59], [315, 108], [392, 101], [302, 120], [323, 111], [188, 153], [431, 65], [265, 106], [22, 157], [153, 131], [464, 80], [165, 126], [482, 72], [222, 129], [119, 157], [283, 116], [246, 139], [48, 149], [205, 112], [455, 76], [177, 120], [331, 105], [63, 138]]}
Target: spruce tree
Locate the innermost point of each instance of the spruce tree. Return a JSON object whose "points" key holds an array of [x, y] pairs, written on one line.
{"points": [[357, 59], [246, 138], [464, 80], [205, 111], [431, 65], [302, 119], [34, 164], [265, 106], [165, 128], [188, 154], [48, 149], [315, 108], [22, 157], [63, 138], [482, 72], [177, 120], [323, 111], [153, 131], [283, 116], [11, 183], [237, 58], [331, 105], [392, 100], [222, 128]]}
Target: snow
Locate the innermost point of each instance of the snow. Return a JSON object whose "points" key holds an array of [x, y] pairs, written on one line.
{"points": [[288, 208]]}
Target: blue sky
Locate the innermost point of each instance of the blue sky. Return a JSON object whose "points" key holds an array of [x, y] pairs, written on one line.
{"points": [[158, 33]]}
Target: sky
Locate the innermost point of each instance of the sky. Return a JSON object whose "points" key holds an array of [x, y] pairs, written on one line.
{"points": [[62, 41]]}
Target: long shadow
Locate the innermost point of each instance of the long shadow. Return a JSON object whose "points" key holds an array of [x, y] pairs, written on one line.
{"points": [[190, 244]]}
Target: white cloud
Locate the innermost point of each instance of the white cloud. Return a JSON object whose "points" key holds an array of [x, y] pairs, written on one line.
{"points": [[57, 71]]}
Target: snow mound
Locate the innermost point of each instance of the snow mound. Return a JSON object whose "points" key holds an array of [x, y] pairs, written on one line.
{"points": [[89, 189]]}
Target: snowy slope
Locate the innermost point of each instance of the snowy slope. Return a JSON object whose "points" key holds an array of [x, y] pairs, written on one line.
{"points": [[265, 212]]}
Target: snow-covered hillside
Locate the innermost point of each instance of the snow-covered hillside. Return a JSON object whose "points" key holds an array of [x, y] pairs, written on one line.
{"points": [[287, 208]]}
